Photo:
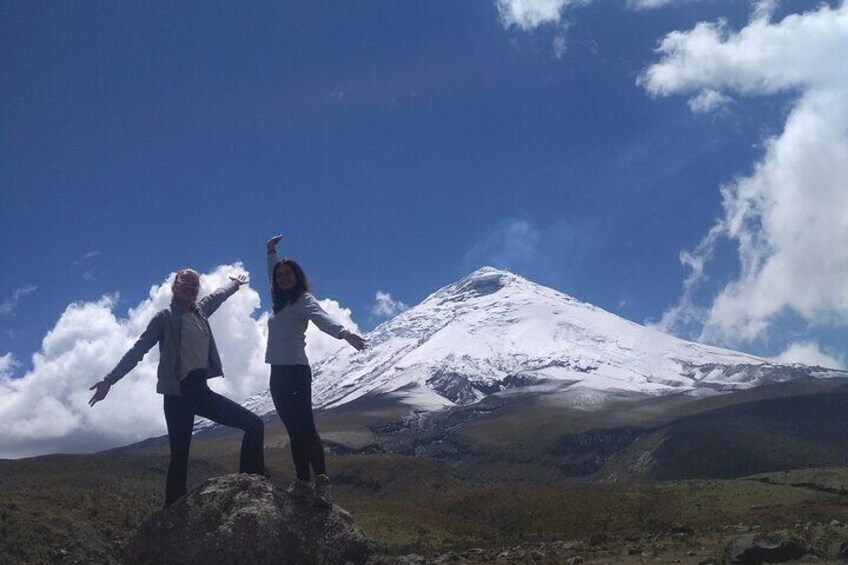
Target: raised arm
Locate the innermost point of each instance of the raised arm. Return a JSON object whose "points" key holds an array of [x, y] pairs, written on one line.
{"points": [[211, 302], [272, 260]]}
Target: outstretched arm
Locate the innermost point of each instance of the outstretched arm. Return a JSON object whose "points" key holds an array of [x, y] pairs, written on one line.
{"points": [[131, 358], [329, 326], [355, 340], [102, 389]]}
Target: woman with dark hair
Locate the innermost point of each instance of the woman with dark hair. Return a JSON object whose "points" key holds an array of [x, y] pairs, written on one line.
{"points": [[291, 376]]}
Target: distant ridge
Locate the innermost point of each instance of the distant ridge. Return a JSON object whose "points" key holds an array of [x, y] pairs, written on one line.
{"points": [[493, 331]]}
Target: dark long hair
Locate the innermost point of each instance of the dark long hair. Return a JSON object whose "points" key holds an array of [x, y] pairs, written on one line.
{"points": [[283, 298]]}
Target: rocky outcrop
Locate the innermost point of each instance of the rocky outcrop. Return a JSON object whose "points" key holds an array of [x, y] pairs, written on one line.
{"points": [[245, 519], [756, 549]]}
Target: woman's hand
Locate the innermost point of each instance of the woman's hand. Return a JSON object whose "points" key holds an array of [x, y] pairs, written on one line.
{"points": [[272, 243], [102, 389], [240, 279], [357, 341]]}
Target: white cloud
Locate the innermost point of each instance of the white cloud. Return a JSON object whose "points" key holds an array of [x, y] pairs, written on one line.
{"points": [[524, 247], [763, 9], [385, 306], [529, 14], [648, 4], [7, 366], [560, 46], [86, 257], [760, 9], [708, 101], [788, 217], [798, 53], [9, 305], [510, 244], [809, 353], [89, 272], [46, 410]]}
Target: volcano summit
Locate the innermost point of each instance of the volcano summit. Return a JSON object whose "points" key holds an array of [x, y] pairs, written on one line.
{"points": [[495, 332]]}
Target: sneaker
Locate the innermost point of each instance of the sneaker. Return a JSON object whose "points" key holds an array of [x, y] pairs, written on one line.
{"points": [[323, 491], [300, 489]]}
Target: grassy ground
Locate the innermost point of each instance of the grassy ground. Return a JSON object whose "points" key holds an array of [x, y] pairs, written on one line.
{"points": [[74, 509], [82, 509], [433, 510]]}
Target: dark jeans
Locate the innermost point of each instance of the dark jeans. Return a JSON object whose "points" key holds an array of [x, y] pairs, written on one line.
{"points": [[291, 390], [199, 400]]}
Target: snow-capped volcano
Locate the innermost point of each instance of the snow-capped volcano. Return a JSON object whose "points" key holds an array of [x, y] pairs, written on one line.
{"points": [[494, 330]]}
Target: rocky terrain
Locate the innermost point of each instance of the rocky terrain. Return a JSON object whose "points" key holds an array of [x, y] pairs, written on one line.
{"points": [[244, 518]]}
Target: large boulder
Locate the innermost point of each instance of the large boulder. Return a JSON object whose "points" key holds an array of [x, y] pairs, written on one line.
{"points": [[245, 519], [757, 549]]}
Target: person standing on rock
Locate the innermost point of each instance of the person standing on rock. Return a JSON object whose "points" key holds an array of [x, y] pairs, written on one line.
{"points": [[291, 377], [188, 357]]}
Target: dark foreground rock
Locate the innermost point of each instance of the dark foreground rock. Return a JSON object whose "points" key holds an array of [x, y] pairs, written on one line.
{"points": [[245, 519], [754, 550]]}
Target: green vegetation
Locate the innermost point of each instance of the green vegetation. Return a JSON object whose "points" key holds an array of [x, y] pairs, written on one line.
{"points": [[61, 509], [494, 478], [410, 505], [84, 508]]}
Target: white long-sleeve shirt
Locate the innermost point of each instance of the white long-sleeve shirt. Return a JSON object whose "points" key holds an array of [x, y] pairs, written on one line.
{"points": [[287, 328]]}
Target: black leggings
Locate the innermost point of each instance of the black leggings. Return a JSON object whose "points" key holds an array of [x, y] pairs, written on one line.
{"points": [[291, 390], [198, 399]]}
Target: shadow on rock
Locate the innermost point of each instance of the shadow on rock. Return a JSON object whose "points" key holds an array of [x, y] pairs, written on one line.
{"points": [[244, 518]]}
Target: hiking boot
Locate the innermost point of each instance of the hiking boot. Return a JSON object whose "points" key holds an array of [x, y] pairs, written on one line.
{"points": [[300, 489], [323, 491]]}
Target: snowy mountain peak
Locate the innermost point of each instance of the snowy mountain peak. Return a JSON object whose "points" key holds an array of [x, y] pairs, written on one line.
{"points": [[493, 330], [486, 271], [483, 281], [497, 286]]}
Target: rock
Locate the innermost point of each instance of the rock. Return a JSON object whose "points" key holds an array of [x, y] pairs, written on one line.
{"points": [[840, 549], [245, 519], [537, 554], [681, 528], [756, 549], [410, 559], [474, 554], [599, 538]]}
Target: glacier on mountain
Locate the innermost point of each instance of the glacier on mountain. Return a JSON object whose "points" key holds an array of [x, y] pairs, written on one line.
{"points": [[495, 331]]}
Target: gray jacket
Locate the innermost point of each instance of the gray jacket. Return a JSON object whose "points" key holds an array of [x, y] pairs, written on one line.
{"points": [[164, 329]]}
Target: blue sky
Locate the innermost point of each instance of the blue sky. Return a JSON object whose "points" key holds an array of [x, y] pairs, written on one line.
{"points": [[399, 145]]}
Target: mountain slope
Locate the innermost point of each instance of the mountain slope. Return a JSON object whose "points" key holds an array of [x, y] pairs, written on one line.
{"points": [[493, 330]]}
